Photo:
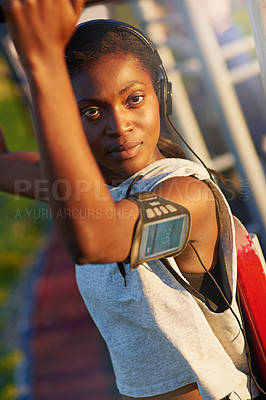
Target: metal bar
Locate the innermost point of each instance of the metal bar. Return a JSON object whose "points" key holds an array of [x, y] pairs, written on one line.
{"points": [[244, 72], [257, 15], [238, 47]]}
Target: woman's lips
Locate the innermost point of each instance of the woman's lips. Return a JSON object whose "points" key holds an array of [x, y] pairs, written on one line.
{"points": [[125, 151]]}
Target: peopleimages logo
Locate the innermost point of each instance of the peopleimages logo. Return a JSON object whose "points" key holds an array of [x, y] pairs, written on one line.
{"points": [[74, 213], [237, 191], [65, 213], [63, 190], [59, 190]]}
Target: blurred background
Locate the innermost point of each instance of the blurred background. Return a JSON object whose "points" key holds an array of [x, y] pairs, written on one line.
{"points": [[209, 53]]}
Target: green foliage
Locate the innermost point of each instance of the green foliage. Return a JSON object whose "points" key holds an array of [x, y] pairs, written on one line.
{"points": [[21, 229], [9, 392], [8, 363]]}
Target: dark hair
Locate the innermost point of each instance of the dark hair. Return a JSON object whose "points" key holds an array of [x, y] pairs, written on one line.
{"points": [[90, 42]]}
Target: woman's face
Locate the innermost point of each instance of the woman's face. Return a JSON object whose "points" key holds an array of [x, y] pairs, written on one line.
{"points": [[120, 115]]}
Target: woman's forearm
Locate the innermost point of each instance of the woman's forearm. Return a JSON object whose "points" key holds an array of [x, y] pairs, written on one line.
{"points": [[21, 175], [69, 166]]}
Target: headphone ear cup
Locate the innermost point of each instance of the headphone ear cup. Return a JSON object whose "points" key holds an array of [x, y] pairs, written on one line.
{"points": [[165, 97], [169, 103]]}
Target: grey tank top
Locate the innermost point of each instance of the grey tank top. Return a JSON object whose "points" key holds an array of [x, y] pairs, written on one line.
{"points": [[159, 336]]}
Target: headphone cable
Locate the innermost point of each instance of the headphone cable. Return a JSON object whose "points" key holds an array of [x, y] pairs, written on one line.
{"points": [[190, 148]]}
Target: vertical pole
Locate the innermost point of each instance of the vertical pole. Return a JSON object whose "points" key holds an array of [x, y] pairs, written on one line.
{"points": [[257, 15]]}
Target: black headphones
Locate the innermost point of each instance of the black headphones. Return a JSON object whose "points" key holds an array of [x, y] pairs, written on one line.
{"points": [[164, 86]]}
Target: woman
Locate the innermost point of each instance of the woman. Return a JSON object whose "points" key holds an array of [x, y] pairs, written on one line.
{"points": [[97, 132]]}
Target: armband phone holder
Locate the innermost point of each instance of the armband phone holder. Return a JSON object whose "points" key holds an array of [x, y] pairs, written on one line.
{"points": [[162, 229]]}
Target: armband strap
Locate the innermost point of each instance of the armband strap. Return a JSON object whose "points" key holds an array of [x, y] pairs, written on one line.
{"points": [[162, 229]]}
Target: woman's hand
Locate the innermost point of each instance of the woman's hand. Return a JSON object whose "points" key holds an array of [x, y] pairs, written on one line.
{"points": [[20, 172], [41, 28]]}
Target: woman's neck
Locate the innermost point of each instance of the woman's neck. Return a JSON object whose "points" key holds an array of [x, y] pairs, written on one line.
{"points": [[114, 179]]}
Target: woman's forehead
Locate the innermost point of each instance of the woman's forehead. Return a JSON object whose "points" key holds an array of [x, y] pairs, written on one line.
{"points": [[112, 66], [112, 74]]}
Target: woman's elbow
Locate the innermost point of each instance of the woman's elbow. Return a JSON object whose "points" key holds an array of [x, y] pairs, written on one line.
{"points": [[89, 253]]}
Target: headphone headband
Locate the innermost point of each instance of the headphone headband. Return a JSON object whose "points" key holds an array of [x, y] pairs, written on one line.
{"points": [[102, 25]]}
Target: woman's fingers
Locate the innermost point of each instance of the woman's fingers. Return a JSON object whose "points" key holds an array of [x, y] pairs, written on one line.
{"points": [[41, 28], [78, 5]]}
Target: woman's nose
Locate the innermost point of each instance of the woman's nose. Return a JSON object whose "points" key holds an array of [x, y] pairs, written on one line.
{"points": [[119, 123]]}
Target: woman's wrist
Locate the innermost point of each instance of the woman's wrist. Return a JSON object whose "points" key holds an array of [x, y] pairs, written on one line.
{"points": [[39, 68]]}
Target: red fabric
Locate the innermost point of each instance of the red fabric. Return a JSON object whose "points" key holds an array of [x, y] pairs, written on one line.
{"points": [[252, 291]]}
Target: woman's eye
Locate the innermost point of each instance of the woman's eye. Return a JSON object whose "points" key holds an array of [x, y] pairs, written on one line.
{"points": [[135, 100], [91, 113]]}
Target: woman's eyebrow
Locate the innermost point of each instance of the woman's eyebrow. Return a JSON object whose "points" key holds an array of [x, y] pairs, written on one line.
{"points": [[129, 86], [90, 100], [122, 91]]}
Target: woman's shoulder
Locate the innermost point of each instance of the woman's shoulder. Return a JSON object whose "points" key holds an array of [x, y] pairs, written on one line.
{"points": [[178, 167], [164, 169]]}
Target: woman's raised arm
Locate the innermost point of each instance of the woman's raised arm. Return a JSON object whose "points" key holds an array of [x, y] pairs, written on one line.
{"points": [[40, 30]]}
